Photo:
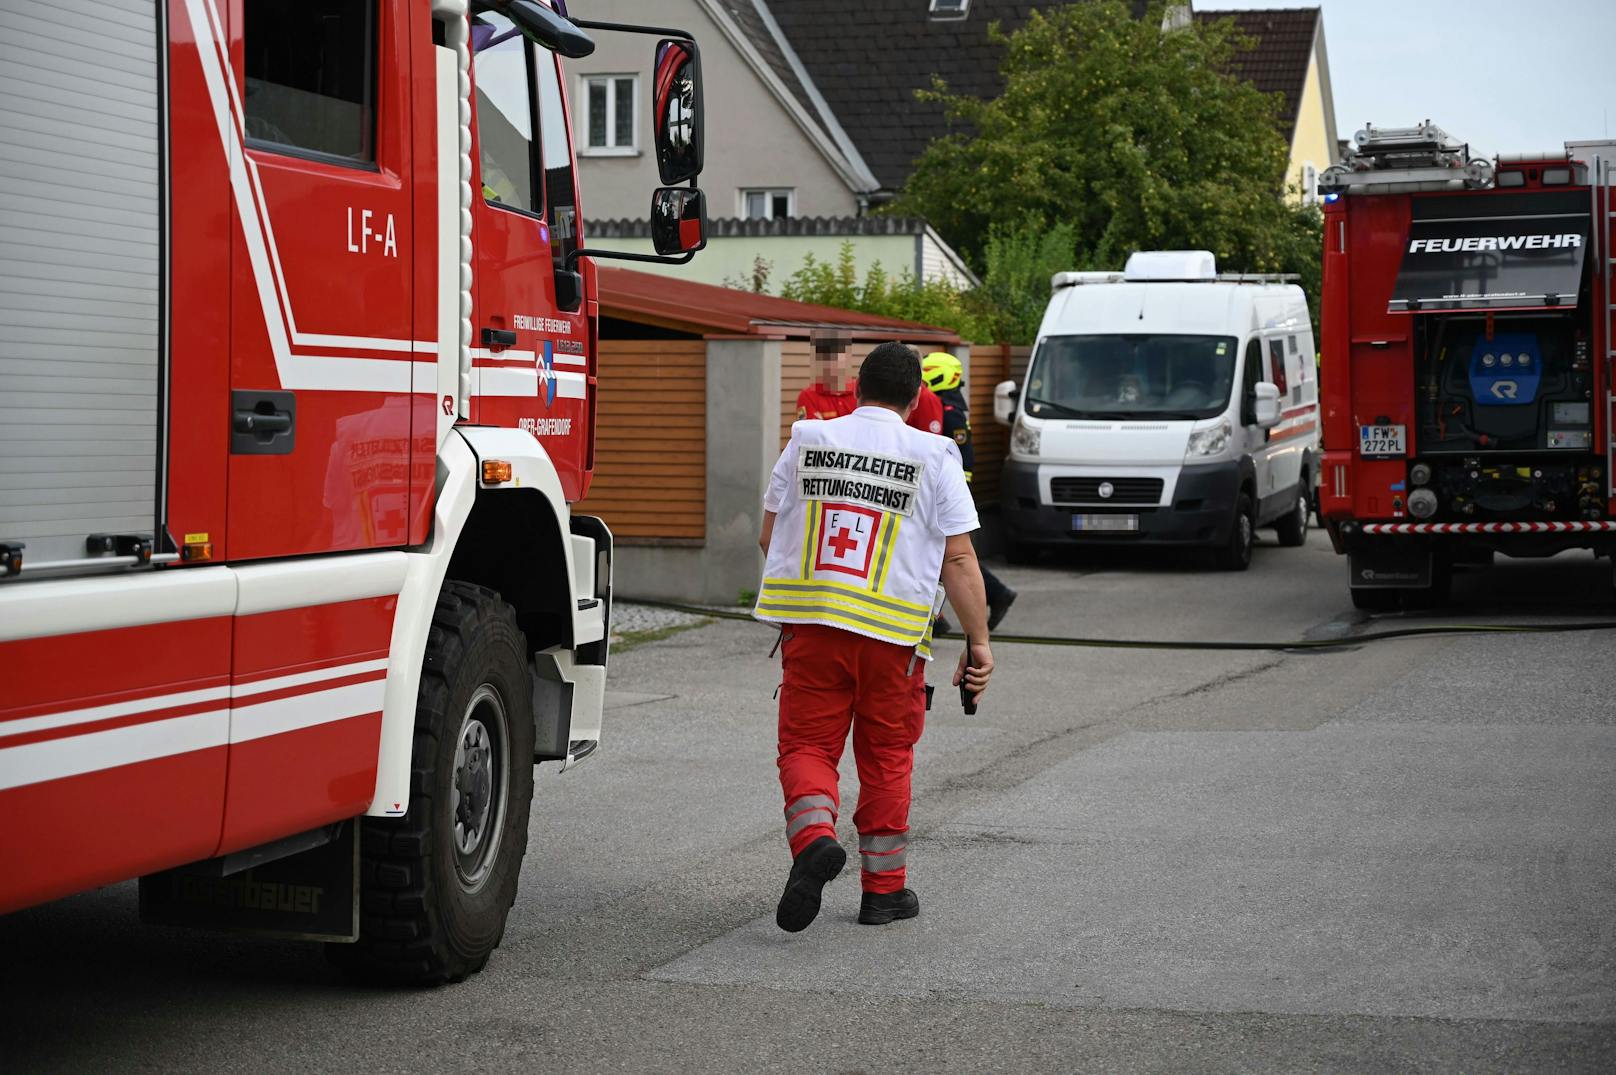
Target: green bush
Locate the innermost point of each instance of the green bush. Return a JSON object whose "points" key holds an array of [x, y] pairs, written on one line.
{"points": [[905, 297]]}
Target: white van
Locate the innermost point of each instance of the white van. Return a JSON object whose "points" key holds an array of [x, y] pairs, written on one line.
{"points": [[1164, 404]]}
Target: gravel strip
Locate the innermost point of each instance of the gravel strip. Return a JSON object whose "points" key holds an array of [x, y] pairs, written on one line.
{"points": [[628, 616]]}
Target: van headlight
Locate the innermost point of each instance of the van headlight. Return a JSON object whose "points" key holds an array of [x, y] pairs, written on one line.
{"points": [[1025, 439], [1212, 440]]}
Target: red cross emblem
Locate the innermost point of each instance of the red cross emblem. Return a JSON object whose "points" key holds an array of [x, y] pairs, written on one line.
{"points": [[847, 539]]}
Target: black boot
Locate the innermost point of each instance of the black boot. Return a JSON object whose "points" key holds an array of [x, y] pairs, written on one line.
{"points": [[879, 908], [997, 609], [811, 871]]}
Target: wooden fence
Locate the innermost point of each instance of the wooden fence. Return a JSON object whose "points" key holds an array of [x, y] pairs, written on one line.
{"points": [[990, 364], [650, 481], [796, 359], [651, 440]]}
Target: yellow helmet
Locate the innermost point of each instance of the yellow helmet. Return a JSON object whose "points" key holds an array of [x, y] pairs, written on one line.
{"points": [[941, 371]]}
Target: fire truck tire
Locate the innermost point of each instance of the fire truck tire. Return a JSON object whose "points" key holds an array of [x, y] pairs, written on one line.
{"points": [[1292, 526], [1235, 553], [437, 884]]}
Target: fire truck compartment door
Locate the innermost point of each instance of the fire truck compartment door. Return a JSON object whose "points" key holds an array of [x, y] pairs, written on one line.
{"points": [[1464, 253], [81, 268]]}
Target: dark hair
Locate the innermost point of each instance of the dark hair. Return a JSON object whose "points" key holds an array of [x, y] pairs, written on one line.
{"points": [[830, 343], [890, 375]]}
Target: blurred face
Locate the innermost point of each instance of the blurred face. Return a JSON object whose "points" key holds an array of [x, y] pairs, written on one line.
{"points": [[831, 368]]}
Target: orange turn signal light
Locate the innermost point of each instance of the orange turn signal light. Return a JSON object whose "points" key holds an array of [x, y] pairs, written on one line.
{"points": [[496, 471], [197, 553]]}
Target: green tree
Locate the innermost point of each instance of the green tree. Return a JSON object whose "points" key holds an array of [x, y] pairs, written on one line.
{"points": [[1134, 136], [1018, 263]]}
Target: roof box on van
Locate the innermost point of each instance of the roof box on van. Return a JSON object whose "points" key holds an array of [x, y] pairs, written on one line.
{"points": [[1171, 265]]}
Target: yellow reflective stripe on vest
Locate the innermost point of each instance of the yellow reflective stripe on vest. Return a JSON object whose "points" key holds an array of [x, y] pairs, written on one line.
{"points": [[814, 601], [786, 605], [828, 618], [809, 536], [883, 555], [886, 602]]}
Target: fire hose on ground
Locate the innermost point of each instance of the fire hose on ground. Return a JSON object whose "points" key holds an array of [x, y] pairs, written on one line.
{"points": [[1298, 645]]}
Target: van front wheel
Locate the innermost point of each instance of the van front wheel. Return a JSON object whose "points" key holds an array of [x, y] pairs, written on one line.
{"points": [[1292, 526], [1235, 553]]}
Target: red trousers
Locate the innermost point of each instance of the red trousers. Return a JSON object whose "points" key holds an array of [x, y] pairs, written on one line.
{"points": [[836, 680]]}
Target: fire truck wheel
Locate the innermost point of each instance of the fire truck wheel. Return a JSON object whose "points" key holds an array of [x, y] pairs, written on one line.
{"points": [[1235, 553], [1292, 527], [437, 884]]}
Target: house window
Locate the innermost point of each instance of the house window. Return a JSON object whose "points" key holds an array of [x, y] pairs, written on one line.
{"points": [[768, 204], [611, 102], [950, 9], [311, 77]]}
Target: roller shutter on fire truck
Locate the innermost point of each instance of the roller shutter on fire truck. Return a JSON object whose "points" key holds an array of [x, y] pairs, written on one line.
{"points": [[82, 262]]}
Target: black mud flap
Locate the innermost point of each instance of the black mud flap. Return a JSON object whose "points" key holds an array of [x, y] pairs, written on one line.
{"points": [[1390, 567], [310, 895]]}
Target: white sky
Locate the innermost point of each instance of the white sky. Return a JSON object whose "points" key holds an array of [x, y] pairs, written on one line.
{"points": [[1504, 76]]}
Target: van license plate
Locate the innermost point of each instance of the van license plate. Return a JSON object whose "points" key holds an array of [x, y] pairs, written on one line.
{"points": [[1382, 442], [1107, 523]]}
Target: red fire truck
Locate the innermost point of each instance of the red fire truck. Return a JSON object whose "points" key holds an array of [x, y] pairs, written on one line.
{"points": [[1467, 358], [297, 380]]}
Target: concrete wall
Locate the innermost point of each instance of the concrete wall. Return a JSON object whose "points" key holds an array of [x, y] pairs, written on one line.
{"points": [[743, 430], [751, 140]]}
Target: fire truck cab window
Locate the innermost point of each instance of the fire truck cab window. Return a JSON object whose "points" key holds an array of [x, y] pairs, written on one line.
{"points": [[504, 90], [311, 76], [560, 197]]}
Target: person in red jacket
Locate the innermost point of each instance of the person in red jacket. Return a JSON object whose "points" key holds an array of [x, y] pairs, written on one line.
{"points": [[830, 393], [928, 413]]}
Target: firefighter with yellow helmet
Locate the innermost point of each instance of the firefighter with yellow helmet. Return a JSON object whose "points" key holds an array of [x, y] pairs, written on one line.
{"points": [[945, 375]]}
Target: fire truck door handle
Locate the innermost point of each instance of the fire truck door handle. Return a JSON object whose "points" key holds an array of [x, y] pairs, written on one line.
{"points": [[262, 423], [499, 337]]}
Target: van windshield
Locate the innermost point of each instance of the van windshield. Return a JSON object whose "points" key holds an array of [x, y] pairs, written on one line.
{"points": [[1131, 377]]}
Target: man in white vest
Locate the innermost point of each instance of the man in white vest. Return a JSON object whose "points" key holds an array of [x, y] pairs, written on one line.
{"points": [[864, 517]]}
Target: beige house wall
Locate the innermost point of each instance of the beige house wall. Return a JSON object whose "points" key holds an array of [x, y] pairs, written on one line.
{"points": [[751, 139], [729, 259], [1311, 142]]}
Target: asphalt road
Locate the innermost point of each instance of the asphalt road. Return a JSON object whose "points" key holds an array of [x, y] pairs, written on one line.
{"points": [[1397, 857]]}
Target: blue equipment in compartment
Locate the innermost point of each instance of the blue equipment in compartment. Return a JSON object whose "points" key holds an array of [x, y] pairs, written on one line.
{"points": [[1506, 370]]}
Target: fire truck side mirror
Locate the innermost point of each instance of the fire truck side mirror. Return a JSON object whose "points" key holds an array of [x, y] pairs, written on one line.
{"points": [[540, 24], [676, 108], [678, 220], [569, 288], [1267, 404]]}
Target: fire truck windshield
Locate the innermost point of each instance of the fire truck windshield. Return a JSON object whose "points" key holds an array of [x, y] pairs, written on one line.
{"points": [[1131, 377]]}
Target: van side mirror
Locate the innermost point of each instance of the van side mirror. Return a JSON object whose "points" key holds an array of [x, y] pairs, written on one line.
{"points": [[1005, 395], [676, 110], [1267, 409], [678, 220]]}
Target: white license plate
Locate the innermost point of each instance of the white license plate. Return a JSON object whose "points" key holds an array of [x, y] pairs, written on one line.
{"points": [[1382, 441], [1106, 523]]}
